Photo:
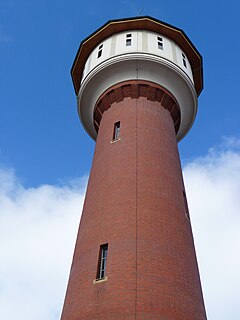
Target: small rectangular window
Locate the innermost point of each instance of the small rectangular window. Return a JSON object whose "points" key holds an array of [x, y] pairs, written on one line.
{"points": [[116, 131], [184, 60], [101, 273], [160, 42], [100, 49], [128, 39]]}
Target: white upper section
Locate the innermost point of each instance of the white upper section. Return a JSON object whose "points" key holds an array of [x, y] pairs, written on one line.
{"points": [[140, 41], [142, 55]]}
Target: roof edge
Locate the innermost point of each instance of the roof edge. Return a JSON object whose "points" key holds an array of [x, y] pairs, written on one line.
{"points": [[85, 42]]}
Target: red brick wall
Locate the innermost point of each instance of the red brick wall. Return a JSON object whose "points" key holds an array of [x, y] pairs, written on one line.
{"points": [[135, 203]]}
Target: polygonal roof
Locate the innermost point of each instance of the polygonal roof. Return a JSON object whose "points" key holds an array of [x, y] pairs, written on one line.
{"points": [[138, 23]]}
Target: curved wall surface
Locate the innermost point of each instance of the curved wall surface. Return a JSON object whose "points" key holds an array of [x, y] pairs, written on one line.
{"points": [[136, 204], [141, 42], [137, 97]]}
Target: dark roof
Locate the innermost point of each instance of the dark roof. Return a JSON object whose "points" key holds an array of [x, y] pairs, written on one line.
{"points": [[138, 23]]}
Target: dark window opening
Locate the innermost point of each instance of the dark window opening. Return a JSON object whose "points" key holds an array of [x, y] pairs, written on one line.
{"points": [[128, 39], [116, 131], [128, 42], [160, 43], [100, 49], [102, 261], [184, 60]]}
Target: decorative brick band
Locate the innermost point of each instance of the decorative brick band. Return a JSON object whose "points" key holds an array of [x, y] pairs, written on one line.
{"points": [[135, 89]]}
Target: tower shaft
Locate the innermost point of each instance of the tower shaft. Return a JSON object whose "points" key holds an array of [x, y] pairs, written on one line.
{"points": [[135, 204]]}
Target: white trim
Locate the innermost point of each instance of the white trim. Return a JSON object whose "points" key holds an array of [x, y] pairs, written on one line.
{"points": [[142, 66]]}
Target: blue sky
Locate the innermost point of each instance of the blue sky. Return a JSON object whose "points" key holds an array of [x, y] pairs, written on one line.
{"points": [[40, 134], [45, 155]]}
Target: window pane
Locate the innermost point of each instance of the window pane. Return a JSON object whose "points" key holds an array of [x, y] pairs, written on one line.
{"points": [[116, 131], [160, 43], [102, 261], [104, 252]]}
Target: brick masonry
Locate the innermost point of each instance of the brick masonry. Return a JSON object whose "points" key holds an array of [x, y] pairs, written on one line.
{"points": [[136, 89], [135, 203]]}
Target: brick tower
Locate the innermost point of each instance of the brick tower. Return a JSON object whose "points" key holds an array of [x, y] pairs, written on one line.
{"points": [[137, 82]]}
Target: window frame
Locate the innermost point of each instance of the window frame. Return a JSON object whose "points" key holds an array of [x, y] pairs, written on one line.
{"points": [[102, 261], [100, 50], [184, 60], [128, 39], [160, 42], [116, 131]]}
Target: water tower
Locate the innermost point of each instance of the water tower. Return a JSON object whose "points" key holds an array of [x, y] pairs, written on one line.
{"points": [[137, 81]]}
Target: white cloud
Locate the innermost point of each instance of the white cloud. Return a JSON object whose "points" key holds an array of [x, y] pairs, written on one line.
{"points": [[37, 233], [213, 189], [38, 228]]}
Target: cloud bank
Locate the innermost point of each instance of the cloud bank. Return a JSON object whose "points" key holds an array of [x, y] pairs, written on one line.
{"points": [[38, 228], [213, 189]]}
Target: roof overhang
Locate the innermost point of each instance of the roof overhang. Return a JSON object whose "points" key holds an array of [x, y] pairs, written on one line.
{"points": [[138, 23]]}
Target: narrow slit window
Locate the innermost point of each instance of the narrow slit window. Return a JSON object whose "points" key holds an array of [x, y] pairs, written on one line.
{"points": [[102, 261], [184, 60], [100, 49], [128, 39], [116, 131], [160, 42]]}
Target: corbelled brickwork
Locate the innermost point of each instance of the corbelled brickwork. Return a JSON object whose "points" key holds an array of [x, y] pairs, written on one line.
{"points": [[135, 203], [135, 89]]}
